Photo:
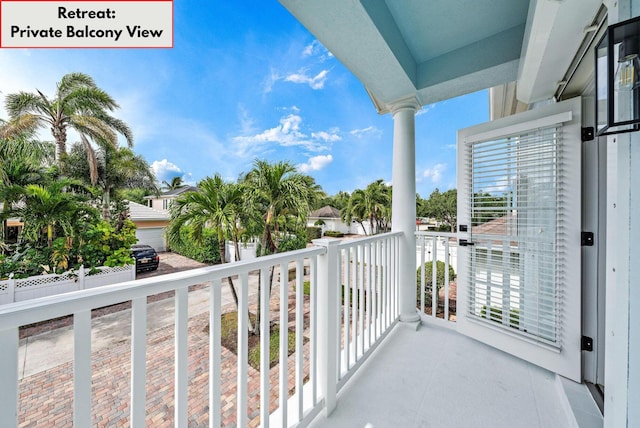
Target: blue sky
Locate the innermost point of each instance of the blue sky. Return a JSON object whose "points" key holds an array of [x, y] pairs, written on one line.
{"points": [[245, 80]]}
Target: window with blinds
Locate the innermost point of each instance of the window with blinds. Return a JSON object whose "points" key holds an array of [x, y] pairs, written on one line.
{"points": [[517, 226]]}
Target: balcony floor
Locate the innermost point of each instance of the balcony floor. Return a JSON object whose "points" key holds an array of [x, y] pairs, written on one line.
{"points": [[435, 377]]}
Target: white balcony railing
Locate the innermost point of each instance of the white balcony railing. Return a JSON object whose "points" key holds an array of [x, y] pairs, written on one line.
{"points": [[331, 338], [433, 247]]}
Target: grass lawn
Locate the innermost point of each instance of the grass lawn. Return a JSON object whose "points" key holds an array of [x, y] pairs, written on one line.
{"points": [[229, 339]]}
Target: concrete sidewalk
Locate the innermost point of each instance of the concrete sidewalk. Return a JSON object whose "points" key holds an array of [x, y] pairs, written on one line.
{"points": [[43, 351]]}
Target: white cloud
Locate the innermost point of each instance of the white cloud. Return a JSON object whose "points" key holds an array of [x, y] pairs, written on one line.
{"points": [[326, 136], [165, 170], [425, 109], [315, 163], [269, 81], [317, 49], [287, 133], [316, 82], [435, 173], [370, 131]]}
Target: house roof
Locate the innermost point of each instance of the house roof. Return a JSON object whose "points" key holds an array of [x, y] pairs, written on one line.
{"points": [[428, 51], [172, 193], [325, 212], [140, 212]]}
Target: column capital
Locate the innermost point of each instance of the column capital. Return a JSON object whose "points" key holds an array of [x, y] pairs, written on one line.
{"points": [[407, 103]]}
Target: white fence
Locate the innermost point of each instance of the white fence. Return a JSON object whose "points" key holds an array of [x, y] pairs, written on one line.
{"points": [[17, 290]]}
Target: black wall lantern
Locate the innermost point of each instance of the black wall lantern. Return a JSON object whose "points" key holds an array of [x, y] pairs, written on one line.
{"points": [[618, 79]]}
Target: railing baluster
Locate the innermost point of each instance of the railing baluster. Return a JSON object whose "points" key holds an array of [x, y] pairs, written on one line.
{"points": [[215, 356], [375, 290], [434, 278], [385, 282], [243, 353], [423, 245], [346, 260], [138, 361], [181, 362], [313, 348], [368, 293], [265, 351], [82, 368], [284, 325], [446, 279], [354, 302], [9, 343], [361, 328], [299, 334]]}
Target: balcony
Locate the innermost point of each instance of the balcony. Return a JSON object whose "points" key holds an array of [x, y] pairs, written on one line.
{"points": [[162, 363]]}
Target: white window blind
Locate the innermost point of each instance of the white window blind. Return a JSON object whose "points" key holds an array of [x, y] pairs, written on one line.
{"points": [[517, 226]]}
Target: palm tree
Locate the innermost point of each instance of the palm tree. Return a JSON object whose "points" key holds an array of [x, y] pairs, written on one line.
{"points": [[52, 207], [119, 168], [278, 189], [78, 104], [175, 183], [21, 163], [213, 205], [372, 204]]}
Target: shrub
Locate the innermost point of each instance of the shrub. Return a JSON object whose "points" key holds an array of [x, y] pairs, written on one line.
{"points": [[291, 243], [495, 314], [334, 234], [313, 232], [205, 251], [428, 279]]}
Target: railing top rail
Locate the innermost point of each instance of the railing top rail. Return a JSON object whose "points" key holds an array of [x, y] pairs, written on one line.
{"points": [[434, 233], [368, 239], [13, 315]]}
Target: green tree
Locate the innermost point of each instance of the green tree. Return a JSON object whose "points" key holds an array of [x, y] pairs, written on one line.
{"points": [[373, 204], [211, 206], [441, 206], [278, 190], [52, 208], [78, 104], [175, 183], [119, 169], [21, 163], [339, 201]]}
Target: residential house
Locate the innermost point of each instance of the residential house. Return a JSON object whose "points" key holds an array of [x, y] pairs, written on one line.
{"points": [[328, 218], [162, 202], [150, 224]]}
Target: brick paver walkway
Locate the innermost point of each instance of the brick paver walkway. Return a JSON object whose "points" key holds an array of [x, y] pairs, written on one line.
{"points": [[46, 398]]}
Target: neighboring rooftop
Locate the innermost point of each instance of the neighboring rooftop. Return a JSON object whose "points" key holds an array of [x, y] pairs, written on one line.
{"points": [[173, 192], [325, 212], [141, 212]]}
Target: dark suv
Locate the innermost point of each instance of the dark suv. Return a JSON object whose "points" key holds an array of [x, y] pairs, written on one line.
{"points": [[146, 257]]}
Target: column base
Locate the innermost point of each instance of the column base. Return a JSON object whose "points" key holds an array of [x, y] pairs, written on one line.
{"points": [[410, 317]]}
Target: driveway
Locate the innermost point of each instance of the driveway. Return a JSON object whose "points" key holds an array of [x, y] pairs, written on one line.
{"points": [[171, 262]]}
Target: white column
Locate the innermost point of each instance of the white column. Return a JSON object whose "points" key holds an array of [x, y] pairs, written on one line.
{"points": [[404, 202]]}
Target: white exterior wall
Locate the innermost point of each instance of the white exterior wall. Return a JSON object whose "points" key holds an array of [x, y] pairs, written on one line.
{"points": [[441, 256], [622, 371], [247, 251]]}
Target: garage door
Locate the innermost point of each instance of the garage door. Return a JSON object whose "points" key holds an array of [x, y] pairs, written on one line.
{"points": [[153, 236]]}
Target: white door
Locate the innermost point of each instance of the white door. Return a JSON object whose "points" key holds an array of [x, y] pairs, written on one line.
{"points": [[519, 202], [153, 236]]}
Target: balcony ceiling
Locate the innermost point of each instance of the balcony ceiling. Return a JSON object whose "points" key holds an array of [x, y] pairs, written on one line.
{"points": [[438, 49]]}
